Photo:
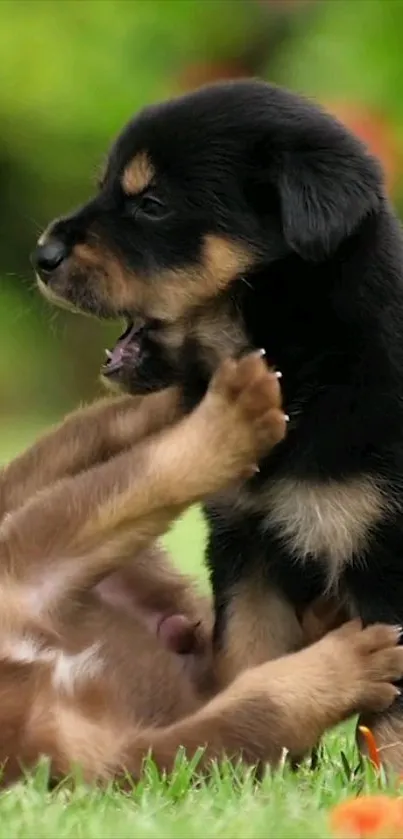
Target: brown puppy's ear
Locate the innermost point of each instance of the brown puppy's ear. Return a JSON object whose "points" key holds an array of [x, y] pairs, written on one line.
{"points": [[324, 194]]}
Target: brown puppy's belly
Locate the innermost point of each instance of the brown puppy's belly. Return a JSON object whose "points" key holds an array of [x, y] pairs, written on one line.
{"points": [[141, 679], [181, 629], [175, 630]]}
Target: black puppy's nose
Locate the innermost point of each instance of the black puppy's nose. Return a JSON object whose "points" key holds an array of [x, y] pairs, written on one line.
{"points": [[47, 257]]}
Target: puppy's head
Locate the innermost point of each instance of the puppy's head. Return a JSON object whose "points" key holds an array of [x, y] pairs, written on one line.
{"points": [[200, 193]]}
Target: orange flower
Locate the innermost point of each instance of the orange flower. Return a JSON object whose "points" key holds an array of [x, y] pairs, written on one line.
{"points": [[371, 745], [376, 130], [368, 817]]}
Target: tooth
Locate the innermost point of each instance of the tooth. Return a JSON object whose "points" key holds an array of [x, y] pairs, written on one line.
{"points": [[108, 354]]}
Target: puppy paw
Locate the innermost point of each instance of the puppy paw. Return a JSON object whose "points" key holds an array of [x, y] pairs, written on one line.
{"points": [[370, 660], [249, 397]]}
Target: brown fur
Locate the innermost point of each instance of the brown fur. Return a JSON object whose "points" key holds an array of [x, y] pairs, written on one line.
{"points": [[179, 290], [261, 626], [256, 186], [138, 175], [285, 704], [88, 436], [330, 520], [350, 510], [83, 679]]}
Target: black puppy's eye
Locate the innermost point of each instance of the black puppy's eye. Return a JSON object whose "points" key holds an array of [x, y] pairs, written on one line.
{"points": [[151, 207]]}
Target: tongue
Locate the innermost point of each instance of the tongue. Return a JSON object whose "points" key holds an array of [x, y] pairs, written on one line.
{"points": [[117, 355]]}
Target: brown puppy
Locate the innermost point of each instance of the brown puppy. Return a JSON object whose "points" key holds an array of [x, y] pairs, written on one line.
{"points": [[87, 682]]}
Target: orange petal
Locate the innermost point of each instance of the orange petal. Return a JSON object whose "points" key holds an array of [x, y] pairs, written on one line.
{"points": [[368, 817], [371, 745], [376, 130]]}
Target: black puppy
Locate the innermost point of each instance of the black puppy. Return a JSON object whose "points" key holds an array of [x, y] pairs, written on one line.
{"points": [[243, 216]]}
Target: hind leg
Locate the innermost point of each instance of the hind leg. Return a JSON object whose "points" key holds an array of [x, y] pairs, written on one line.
{"points": [[86, 527], [377, 593], [89, 436]]}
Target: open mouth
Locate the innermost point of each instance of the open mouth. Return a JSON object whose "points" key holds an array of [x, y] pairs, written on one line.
{"points": [[127, 350]]}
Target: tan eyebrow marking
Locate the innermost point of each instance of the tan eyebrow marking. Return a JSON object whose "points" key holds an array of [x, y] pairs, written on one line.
{"points": [[138, 174]]}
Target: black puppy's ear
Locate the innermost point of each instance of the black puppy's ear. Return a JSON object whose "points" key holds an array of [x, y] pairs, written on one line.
{"points": [[324, 195]]}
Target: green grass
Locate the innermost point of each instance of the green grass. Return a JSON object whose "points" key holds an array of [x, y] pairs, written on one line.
{"points": [[284, 805]]}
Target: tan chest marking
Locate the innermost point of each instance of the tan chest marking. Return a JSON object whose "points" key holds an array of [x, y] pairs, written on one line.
{"points": [[330, 520]]}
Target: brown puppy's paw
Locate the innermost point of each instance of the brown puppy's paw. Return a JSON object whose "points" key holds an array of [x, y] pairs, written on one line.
{"points": [[249, 398], [370, 660]]}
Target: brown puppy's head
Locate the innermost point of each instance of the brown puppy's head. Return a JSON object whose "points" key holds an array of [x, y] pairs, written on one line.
{"points": [[199, 196]]}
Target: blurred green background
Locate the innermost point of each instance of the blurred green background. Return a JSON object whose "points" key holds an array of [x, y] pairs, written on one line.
{"points": [[73, 71]]}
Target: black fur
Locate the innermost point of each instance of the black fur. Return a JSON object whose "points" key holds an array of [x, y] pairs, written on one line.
{"points": [[324, 297]]}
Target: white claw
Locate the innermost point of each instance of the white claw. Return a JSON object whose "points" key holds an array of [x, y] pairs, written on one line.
{"points": [[286, 417], [279, 375], [108, 354], [262, 352]]}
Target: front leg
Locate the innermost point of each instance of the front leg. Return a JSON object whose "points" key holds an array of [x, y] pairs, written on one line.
{"points": [[89, 436], [258, 601], [375, 588]]}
